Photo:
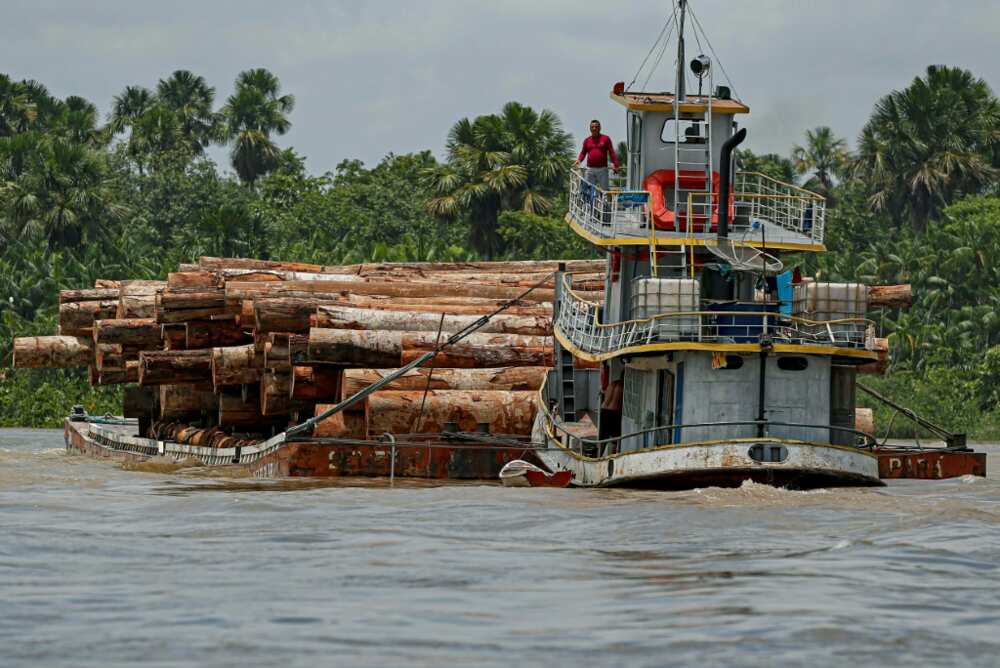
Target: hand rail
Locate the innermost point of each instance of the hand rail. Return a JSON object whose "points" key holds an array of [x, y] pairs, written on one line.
{"points": [[579, 321]]}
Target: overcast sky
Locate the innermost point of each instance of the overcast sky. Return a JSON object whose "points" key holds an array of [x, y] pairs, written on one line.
{"points": [[393, 75]]}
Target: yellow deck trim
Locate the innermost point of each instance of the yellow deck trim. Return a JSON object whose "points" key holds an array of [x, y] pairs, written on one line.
{"points": [[685, 241], [830, 351]]}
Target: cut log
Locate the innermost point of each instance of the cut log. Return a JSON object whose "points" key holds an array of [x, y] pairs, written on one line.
{"points": [[88, 295], [157, 367], [215, 263], [77, 318], [378, 349], [890, 296], [52, 352], [179, 401], [512, 267], [138, 298], [453, 305], [136, 306], [525, 378], [339, 317], [275, 394], [283, 315], [191, 298], [245, 275], [174, 336], [372, 349], [350, 423], [864, 420], [133, 332], [109, 356], [193, 279], [881, 365], [214, 333], [236, 365], [141, 287], [399, 413], [315, 384], [297, 314], [414, 289], [112, 376], [283, 350]]}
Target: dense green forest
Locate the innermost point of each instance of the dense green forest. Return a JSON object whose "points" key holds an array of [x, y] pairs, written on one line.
{"points": [[134, 194]]}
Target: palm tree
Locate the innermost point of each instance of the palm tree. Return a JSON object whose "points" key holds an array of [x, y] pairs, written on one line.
{"points": [[17, 112], [128, 107], [77, 121], [825, 155], [537, 142], [191, 98], [517, 159], [928, 143], [63, 191], [251, 114]]}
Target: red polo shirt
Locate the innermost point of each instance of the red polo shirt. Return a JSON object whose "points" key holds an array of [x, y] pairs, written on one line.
{"points": [[597, 151]]}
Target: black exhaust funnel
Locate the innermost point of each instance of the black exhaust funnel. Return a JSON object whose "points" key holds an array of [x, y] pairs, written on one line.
{"points": [[725, 177]]}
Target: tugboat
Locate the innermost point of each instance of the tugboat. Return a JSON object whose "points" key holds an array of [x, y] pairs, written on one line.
{"points": [[718, 362]]}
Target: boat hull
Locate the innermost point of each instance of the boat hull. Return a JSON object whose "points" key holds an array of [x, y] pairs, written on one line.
{"points": [[438, 461], [719, 464]]}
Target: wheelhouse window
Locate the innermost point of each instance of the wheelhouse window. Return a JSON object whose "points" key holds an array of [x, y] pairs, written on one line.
{"points": [[689, 131]]}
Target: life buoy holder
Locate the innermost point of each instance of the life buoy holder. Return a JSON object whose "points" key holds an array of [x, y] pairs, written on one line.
{"points": [[665, 218]]}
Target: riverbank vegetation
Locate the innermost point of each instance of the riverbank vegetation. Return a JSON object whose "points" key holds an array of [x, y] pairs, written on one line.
{"points": [[134, 194]]}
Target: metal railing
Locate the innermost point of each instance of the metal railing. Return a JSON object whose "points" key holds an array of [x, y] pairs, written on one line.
{"points": [[578, 320], [607, 214], [757, 198]]}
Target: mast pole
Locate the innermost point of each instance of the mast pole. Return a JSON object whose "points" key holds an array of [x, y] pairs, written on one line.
{"points": [[681, 93]]}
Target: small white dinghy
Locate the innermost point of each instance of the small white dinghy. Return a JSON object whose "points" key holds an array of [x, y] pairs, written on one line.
{"points": [[520, 473]]}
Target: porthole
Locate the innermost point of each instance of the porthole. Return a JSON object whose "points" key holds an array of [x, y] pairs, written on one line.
{"points": [[768, 453], [733, 362], [793, 363]]}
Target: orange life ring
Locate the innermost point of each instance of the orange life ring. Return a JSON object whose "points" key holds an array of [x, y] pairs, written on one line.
{"points": [[665, 218]]}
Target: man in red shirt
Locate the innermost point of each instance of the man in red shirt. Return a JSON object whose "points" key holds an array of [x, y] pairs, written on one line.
{"points": [[597, 148]]}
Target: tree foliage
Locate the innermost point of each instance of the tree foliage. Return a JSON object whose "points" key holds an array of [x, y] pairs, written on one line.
{"points": [[929, 143], [136, 195]]}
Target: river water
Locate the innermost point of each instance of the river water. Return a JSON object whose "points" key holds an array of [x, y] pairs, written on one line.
{"points": [[101, 566]]}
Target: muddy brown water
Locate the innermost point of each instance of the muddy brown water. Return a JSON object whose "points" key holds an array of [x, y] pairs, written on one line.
{"points": [[101, 566]]}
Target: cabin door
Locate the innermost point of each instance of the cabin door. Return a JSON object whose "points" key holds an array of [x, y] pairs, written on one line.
{"points": [[665, 407]]}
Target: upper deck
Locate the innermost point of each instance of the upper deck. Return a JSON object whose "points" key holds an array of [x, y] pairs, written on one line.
{"points": [[763, 212]]}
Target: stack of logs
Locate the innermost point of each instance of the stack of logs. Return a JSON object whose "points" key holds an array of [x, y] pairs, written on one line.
{"points": [[242, 348]]}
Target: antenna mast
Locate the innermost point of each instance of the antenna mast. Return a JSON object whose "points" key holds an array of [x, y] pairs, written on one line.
{"points": [[681, 93]]}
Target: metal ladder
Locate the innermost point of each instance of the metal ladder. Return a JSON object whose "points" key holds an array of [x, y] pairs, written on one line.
{"points": [[705, 163], [565, 381]]}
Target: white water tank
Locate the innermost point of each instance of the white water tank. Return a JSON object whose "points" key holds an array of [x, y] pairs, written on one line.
{"points": [[657, 296], [830, 301], [825, 302]]}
